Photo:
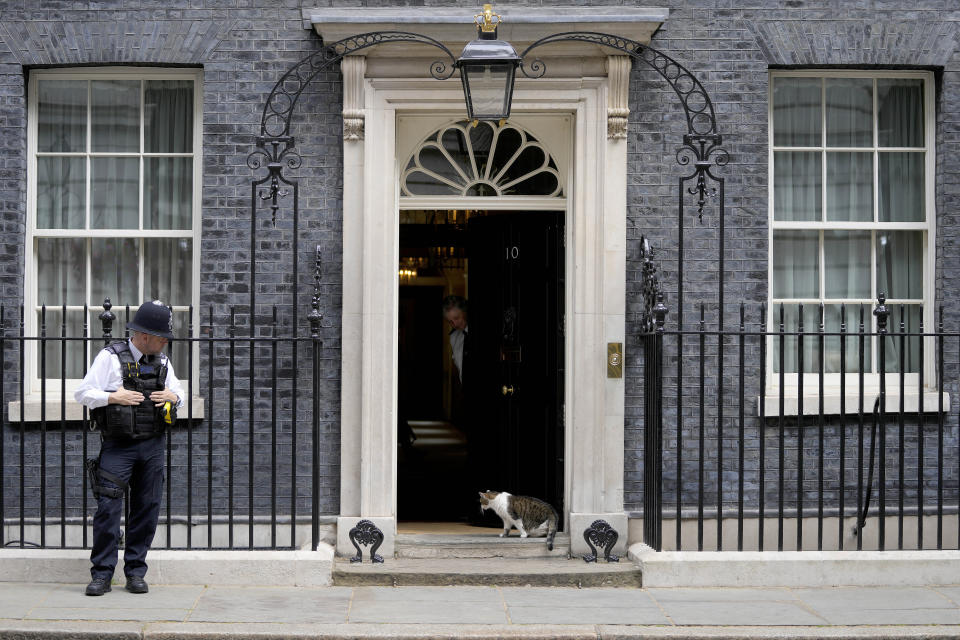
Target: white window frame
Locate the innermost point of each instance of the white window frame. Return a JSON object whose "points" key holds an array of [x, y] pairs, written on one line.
{"points": [[810, 403], [31, 303]]}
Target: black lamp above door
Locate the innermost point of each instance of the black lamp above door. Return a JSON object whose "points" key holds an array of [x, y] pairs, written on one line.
{"points": [[487, 68]]}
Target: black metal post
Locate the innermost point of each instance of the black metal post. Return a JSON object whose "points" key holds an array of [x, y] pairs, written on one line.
{"points": [[841, 490], [191, 342], [3, 422], [780, 428], [881, 312], [762, 422], [820, 469], [315, 318]]}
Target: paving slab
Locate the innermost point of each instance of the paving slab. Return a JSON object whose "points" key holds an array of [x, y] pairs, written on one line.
{"points": [[552, 614], [288, 605], [720, 594], [484, 595], [426, 612], [572, 597], [192, 631], [718, 606], [881, 605], [114, 614], [949, 591], [159, 597], [16, 603]]}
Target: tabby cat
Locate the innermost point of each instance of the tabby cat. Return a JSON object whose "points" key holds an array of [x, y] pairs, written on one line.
{"points": [[531, 516]]}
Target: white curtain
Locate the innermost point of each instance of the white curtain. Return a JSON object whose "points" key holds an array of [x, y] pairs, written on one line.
{"points": [[846, 261], [167, 192]]}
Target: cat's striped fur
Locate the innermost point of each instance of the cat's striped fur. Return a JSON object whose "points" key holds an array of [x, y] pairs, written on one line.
{"points": [[531, 516]]}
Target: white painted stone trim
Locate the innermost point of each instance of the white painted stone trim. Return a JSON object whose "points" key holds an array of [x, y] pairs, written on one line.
{"points": [[794, 568], [454, 26], [301, 567], [618, 70], [353, 69], [595, 300]]}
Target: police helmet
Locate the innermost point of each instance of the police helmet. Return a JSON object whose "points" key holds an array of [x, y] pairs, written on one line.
{"points": [[153, 317]]}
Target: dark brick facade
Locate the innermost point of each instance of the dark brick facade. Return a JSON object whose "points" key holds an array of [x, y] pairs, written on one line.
{"points": [[244, 46]]}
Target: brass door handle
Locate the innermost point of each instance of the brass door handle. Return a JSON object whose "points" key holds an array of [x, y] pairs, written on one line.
{"points": [[507, 391]]}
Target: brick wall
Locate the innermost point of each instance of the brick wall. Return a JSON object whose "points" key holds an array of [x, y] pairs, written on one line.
{"points": [[244, 46]]}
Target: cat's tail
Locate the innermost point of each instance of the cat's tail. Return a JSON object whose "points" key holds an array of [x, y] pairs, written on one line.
{"points": [[551, 530]]}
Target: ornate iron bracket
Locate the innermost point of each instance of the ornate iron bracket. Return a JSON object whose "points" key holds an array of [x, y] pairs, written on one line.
{"points": [[702, 140], [600, 533], [366, 533], [275, 147]]}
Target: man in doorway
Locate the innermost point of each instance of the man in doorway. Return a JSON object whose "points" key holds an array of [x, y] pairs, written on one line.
{"points": [[455, 313]]}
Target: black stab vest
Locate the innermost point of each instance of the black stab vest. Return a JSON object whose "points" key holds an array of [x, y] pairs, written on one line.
{"points": [[141, 421]]}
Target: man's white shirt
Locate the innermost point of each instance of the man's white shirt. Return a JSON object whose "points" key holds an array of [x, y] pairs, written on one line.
{"points": [[456, 344], [105, 373]]}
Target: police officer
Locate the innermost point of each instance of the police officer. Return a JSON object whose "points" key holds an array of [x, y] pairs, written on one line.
{"points": [[133, 394]]}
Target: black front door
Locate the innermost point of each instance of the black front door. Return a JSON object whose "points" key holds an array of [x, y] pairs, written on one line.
{"points": [[516, 285]]}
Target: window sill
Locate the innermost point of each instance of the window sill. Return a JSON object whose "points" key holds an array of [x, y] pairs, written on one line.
{"points": [[831, 403], [74, 410]]}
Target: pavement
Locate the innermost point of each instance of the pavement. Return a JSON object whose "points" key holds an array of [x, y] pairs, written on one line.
{"points": [[51, 610]]}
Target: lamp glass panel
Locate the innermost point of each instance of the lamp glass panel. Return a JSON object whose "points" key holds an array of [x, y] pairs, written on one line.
{"points": [[489, 89]]}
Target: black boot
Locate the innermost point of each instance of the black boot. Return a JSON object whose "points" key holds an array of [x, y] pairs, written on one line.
{"points": [[98, 587]]}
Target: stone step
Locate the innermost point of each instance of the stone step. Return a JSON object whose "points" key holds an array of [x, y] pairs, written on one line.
{"points": [[478, 545], [536, 572]]}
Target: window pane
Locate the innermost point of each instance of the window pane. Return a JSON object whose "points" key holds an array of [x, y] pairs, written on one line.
{"points": [[900, 112], [795, 264], [115, 115], [168, 272], [791, 344], [168, 193], [114, 270], [903, 352], [61, 193], [796, 185], [850, 186], [177, 349], [901, 176], [115, 200], [50, 351], [831, 344], [900, 264], [849, 112], [61, 271], [168, 116], [62, 115], [796, 112], [846, 256]]}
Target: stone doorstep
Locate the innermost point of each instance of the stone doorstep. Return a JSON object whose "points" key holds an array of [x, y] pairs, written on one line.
{"points": [[479, 545], [537, 572]]}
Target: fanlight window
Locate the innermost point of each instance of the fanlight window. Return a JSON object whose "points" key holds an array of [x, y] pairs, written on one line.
{"points": [[483, 160]]}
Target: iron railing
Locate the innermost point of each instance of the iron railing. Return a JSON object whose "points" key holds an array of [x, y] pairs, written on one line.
{"points": [[241, 474], [742, 453]]}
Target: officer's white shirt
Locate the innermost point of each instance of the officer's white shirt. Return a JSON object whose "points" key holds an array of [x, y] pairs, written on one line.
{"points": [[105, 373]]}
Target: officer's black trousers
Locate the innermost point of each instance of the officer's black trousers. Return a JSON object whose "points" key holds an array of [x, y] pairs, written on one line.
{"points": [[140, 464]]}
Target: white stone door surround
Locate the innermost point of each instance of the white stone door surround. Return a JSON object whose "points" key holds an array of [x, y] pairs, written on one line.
{"points": [[592, 92]]}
